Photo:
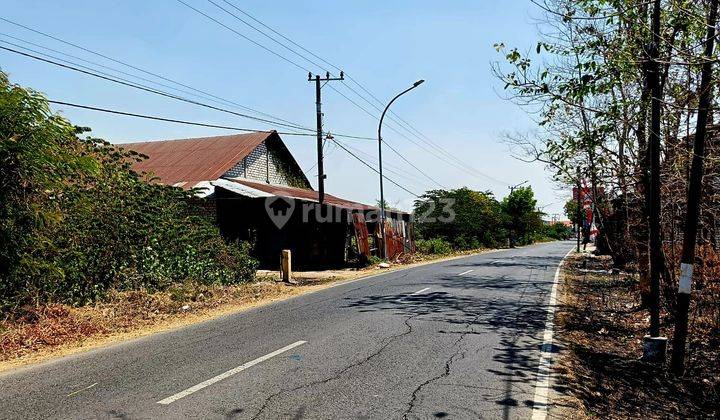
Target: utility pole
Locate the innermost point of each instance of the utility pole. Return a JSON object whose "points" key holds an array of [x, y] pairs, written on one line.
{"points": [[694, 196], [319, 115], [579, 209]]}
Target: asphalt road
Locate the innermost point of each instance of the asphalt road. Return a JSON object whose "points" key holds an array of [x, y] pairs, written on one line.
{"points": [[456, 339]]}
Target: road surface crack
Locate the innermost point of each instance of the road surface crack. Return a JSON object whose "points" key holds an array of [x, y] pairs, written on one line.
{"points": [[337, 375], [459, 354]]}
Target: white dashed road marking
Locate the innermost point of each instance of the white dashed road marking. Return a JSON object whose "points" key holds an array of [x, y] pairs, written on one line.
{"points": [[72, 394], [465, 272], [227, 374], [420, 291]]}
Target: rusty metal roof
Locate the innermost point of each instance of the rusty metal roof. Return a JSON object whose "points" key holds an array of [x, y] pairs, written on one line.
{"points": [[187, 162], [303, 194]]}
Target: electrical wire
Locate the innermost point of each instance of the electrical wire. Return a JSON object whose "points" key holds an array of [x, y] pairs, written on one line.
{"points": [[128, 65], [101, 75], [459, 164], [423, 173], [400, 172], [172, 120], [125, 82], [375, 170]]}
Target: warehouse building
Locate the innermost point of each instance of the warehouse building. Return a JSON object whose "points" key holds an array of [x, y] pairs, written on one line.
{"points": [[256, 191]]}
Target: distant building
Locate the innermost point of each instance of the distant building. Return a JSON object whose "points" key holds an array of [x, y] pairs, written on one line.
{"points": [[257, 192], [567, 223]]}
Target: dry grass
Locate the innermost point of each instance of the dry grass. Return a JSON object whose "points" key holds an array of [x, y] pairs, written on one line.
{"points": [[39, 333], [601, 326]]}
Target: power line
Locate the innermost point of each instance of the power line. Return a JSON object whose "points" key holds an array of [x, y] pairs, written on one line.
{"points": [[408, 139], [413, 165], [395, 169], [302, 67], [287, 60], [282, 36], [261, 31], [245, 37], [290, 123], [459, 164], [101, 75], [172, 120], [375, 170], [403, 173], [125, 82], [123, 63]]}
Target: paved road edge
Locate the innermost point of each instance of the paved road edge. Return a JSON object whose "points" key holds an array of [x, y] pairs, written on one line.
{"points": [[547, 353]]}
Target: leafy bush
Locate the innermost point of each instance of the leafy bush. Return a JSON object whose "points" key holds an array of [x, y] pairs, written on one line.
{"points": [[558, 231], [374, 260], [76, 221], [435, 246]]}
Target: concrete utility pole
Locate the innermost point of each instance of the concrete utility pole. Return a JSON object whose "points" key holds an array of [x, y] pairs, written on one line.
{"points": [[382, 195], [578, 213], [319, 115], [694, 196]]}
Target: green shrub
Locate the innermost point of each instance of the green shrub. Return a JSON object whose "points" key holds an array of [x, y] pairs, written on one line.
{"points": [[435, 246], [373, 260], [76, 221], [553, 232]]}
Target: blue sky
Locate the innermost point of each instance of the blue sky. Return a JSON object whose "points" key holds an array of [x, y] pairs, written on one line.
{"points": [[384, 45]]}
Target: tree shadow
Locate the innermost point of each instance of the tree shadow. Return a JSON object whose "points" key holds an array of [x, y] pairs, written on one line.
{"points": [[511, 306]]}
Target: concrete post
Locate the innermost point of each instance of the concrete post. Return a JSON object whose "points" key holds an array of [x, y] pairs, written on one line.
{"points": [[286, 265]]}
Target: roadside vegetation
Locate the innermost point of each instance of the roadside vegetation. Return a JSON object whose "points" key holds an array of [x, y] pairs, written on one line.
{"points": [[448, 221], [78, 226]]}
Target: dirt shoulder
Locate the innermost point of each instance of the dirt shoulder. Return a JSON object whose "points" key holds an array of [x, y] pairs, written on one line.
{"points": [[47, 332], [599, 328]]}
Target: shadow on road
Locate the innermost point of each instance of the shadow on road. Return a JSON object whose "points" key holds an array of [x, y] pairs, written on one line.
{"points": [[511, 304]]}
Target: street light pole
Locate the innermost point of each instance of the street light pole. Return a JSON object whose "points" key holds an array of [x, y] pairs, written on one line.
{"points": [[382, 196], [514, 187]]}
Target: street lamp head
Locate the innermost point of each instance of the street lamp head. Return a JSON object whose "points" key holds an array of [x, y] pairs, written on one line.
{"points": [[418, 83]]}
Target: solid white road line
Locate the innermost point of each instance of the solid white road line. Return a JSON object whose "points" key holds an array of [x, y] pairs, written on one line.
{"points": [[542, 385], [229, 373], [465, 272], [419, 291]]}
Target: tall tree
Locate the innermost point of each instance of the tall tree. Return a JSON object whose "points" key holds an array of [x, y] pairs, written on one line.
{"points": [[694, 196]]}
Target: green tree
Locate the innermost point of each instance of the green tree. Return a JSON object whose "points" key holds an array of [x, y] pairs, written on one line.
{"points": [[463, 217], [571, 210], [521, 217]]}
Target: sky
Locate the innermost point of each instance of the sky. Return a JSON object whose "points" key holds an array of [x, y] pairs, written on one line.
{"points": [[386, 46]]}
